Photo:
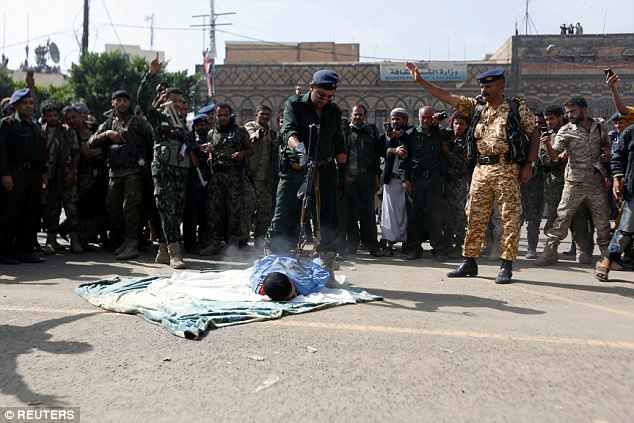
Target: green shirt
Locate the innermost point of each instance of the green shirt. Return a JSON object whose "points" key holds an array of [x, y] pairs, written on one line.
{"points": [[299, 112]]}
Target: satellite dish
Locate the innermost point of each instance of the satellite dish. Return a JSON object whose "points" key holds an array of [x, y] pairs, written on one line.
{"points": [[54, 52]]}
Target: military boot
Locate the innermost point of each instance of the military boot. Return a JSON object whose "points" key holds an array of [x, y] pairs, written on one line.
{"points": [[468, 267], [162, 256], [130, 251], [328, 262], [121, 247], [549, 256], [52, 245], [75, 243], [506, 272], [176, 260]]}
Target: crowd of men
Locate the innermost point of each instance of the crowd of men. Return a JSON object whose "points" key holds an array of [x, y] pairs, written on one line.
{"points": [[464, 183]]}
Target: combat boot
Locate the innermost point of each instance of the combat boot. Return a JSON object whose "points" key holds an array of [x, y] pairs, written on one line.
{"points": [[506, 272], [549, 256], [121, 247], [162, 256], [176, 260], [468, 267], [75, 243], [531, 254], [52, 246], [328, 262], [130, 251]]}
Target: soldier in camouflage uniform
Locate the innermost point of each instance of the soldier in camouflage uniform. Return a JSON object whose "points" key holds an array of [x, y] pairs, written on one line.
{"points": [[584, 141], [124, 134], [171, 161], [62, 162], [92, 181], [230, 145], [581, 226], [362, 179], [495, 178], [263, 150], [456, 190]]}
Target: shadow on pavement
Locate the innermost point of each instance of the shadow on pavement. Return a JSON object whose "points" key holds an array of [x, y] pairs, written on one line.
{"points": [[604, 287], [19, 340], [432, 302]]}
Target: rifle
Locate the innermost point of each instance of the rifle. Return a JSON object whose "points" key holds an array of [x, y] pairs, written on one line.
{"points": [[305, 190], [175, 121]]}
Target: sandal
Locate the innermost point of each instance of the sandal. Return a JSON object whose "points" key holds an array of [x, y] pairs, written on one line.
{"points": [[601, 269]]}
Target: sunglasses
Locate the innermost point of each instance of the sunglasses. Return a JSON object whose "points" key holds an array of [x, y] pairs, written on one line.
{"points": [[323, 96]]}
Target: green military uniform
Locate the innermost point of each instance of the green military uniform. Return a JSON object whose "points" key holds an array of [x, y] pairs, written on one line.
{"points": [[260, 177], [23, 157], [225, 188], [125, 185], [170, 164], [364, 167], [299, 113]]}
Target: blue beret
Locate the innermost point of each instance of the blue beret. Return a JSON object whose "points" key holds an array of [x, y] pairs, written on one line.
{"points": [[121, 94], [200, 117], [207, 109], [491, 75], [326, 79], [616, 116], [19, 95]]}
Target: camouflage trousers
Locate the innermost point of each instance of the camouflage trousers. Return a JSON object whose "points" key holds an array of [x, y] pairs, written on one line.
{"points": [[224, 192], [494, 183], [533, 206], [170, 184], [261, 202], [123, 203], [66, 197], [592, 192], [581, 226], [249, 207], [454, 221]]}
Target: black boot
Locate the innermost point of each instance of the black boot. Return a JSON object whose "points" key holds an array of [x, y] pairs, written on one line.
{"points": [[468, 267], [506, 272]]}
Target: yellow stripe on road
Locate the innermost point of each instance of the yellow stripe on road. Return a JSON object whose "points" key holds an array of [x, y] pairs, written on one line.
{"points": [[463, 334], [53, 310]]}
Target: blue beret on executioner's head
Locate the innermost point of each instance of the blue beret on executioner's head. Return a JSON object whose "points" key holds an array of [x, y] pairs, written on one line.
{"points": [[18, 95], [491, 75], [207, 109], [326, 79], [616, 116]]}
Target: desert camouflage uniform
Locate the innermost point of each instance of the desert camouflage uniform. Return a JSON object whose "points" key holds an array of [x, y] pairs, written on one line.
{"points": [[260, 178], [225, 186], [584, 180], [498, 182]]}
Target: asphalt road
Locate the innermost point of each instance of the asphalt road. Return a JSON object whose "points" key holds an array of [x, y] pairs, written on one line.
{"points": [[556, 345]]}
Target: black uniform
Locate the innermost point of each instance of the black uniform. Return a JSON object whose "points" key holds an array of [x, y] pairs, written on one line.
{"points": [[23, 157]]}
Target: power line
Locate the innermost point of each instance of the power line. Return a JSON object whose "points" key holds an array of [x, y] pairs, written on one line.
{"points": [[113, 26]]}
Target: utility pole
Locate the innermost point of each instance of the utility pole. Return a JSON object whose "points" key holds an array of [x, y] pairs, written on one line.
{"points": [[151, 19], [84, 37], [210, 53]]}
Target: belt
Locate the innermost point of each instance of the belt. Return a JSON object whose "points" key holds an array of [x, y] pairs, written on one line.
{"points": [[488, 160], [296, 166]]}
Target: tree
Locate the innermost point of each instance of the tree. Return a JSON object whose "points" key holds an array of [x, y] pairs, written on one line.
{"points": [[7, 86], [97, 76]]}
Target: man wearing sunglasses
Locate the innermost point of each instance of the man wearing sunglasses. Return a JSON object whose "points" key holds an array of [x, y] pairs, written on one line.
{"points": [[314, 107]]}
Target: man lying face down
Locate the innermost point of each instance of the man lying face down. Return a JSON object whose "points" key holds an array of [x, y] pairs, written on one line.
{"points": [[282, 278]]}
